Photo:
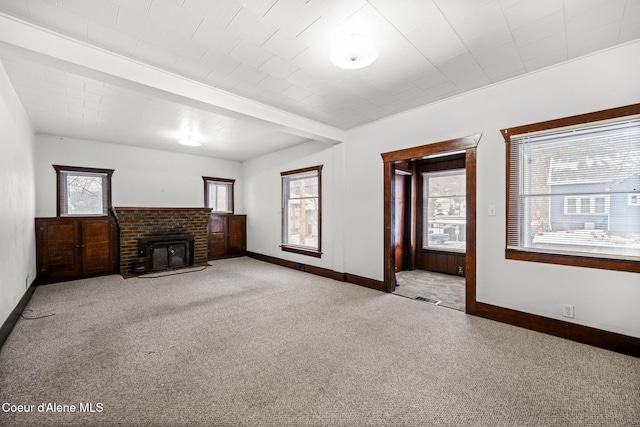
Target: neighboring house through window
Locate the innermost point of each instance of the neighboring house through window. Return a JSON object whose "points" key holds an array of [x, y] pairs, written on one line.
{"points": [[83, 191], [302, 211], [218, 194], [573, 186]]}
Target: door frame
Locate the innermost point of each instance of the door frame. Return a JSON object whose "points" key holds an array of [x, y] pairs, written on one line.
{"points": [[468, 145]]}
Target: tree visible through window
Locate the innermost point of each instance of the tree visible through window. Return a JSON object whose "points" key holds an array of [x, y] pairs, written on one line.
{"points": [[83, 191], [301, 211]]}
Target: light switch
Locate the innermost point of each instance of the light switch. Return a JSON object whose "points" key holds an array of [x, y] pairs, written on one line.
{"points": [[492, 210]]}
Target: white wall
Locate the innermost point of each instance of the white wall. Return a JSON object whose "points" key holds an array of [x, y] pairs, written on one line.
{"points": [[263, 189], [142, 177], [17, 199], [603, 299]]}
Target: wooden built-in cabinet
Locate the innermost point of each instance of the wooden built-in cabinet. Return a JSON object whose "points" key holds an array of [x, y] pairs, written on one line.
{"points": [[69, 248], [227, 235]]}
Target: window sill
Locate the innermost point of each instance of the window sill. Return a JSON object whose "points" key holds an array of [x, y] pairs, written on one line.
{"points": [[301, 251], [444, 251], [84, 215], [575, 260]]}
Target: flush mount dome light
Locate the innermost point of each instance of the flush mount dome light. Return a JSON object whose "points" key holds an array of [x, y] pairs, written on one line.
{"points": [[353, 51], [190, 142]]}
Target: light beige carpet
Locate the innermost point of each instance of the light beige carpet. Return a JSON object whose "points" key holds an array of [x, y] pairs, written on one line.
{"points": [[245, 343]]}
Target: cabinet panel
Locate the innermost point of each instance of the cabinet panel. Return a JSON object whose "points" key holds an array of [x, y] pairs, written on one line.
{"points": [[70, 248], [237, 234], [217, 239], [97, 247], [227, 236], [61, 251]]}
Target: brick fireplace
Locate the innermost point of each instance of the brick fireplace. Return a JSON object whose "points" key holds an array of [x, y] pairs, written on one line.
{"points": [[143, 223]]}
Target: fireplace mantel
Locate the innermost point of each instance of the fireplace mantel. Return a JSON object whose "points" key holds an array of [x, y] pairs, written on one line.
{"points": [[143, 222], [145, 208]]}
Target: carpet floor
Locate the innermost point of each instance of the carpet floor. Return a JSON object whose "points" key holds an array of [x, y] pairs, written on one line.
{"points": [[446, 288], [246, 343]]}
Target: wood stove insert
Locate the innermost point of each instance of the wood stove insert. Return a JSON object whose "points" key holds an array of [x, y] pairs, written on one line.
{"points": [[166, 251]]}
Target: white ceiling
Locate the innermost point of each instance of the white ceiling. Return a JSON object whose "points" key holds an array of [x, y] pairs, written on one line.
{"points": [[262, 65]]}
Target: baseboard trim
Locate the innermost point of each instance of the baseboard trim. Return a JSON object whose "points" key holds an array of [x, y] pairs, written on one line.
{"points": [[378, 285], [619, 343], [583, 334], [11, 321], [321, 271]]}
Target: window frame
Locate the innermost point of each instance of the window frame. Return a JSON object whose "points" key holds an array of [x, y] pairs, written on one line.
{"points": [[301, 250], [106, 198], [593, 205], [226, 181], [605, 262], [425, 176]]}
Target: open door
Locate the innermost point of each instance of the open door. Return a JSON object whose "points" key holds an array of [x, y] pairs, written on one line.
{"points": [[466, 145]]}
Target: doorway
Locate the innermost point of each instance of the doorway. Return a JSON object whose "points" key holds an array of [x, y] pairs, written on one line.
{"points": [[437, 275], [396, 161]]}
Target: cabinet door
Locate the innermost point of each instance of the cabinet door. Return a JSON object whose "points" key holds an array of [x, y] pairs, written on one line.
{"points": [[58, 249], [217, 236], [237, 234], [97, 256]]}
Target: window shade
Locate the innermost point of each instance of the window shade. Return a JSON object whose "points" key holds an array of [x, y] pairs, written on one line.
{"points": [[575, 191]]}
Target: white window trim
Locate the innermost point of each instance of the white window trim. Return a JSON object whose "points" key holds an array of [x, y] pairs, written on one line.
{"points": [[592, 204]]}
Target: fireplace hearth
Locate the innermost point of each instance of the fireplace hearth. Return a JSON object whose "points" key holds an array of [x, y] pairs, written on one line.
{"points": [[166, 251]]}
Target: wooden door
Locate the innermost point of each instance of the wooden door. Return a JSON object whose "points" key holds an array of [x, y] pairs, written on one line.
{"points": [[58, 249], [237, 234], [399, 224], [97, 254], [217, 236]]}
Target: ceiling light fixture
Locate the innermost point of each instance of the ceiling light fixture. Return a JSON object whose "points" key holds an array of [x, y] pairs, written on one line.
{"points": [[353, 51], [190, 142]]}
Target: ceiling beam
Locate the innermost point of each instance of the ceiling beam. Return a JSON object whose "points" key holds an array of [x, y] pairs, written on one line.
{"points": [[44, 46]]}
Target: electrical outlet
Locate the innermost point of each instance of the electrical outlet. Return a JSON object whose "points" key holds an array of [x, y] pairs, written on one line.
{"points": [[460, 269], [567, 311]]}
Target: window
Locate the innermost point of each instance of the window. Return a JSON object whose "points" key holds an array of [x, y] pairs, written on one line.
{"points": [[83, 191], [445, 210], [301, 211], [586, 205], [218, 194], [571, 185]]}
